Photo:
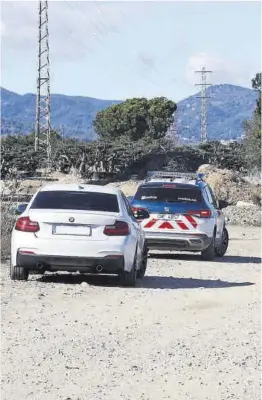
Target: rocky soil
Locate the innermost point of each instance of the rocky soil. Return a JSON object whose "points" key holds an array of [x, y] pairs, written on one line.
{"points": [[231, 186], [243, 215], [190, 330]]}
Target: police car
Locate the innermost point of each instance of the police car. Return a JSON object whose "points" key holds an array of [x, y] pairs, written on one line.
{"points": [[184, 214]]}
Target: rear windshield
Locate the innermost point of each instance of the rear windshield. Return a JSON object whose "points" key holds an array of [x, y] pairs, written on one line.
{"points": [[168, 195], [66, 200]]}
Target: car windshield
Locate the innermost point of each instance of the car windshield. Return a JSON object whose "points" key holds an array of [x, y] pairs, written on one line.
{"points": [[70, 200], [168, 195]]}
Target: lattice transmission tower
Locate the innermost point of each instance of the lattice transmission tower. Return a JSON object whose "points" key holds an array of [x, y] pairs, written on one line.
{"points": [[43, 112], [203, 97], [172, 132]]}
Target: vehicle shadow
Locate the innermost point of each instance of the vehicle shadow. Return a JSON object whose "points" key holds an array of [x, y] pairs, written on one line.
{"points": [[148, 282], [164, 282], [194, 257]]}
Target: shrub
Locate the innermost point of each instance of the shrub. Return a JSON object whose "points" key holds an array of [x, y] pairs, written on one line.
{"points": [[13, 192]]}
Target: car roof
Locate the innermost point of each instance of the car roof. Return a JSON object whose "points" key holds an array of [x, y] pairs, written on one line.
{"points": [[182, 183], [159, 178], [79, 187]]}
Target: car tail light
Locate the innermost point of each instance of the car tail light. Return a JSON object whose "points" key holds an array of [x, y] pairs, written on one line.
{"points": [[138, 209], [120, 228], [25, 224], [135, 209], [200, 213]]}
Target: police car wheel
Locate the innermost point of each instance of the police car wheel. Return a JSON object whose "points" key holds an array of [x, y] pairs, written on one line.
{"points": [[222, 248], [209, 253]]}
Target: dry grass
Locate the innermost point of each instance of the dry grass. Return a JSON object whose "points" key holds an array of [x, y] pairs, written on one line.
{"points": [[13, 193], [7, 223], [256, 195], [254, 177], [128, 188]]}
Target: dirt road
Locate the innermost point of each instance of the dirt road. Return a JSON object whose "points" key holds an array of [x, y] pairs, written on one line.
{"points": [[190, 330]]}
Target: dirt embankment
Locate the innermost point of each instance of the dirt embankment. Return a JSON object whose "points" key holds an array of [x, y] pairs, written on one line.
{"points": [[243, 197]]}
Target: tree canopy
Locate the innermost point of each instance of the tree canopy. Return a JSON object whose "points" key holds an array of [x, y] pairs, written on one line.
{"points": [[253, 130], [256, 85], [135, 119]]}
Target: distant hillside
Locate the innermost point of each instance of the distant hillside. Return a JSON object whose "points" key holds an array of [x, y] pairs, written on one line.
{"points": [[75, 113], [227, 108]]}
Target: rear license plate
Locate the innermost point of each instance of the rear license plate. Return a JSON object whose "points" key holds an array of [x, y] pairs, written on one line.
{"points": [[74, 230], [168, 216]]}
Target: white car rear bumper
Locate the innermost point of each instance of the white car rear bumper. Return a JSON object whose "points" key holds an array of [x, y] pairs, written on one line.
{"points": [[67, 255], [109, 265]]}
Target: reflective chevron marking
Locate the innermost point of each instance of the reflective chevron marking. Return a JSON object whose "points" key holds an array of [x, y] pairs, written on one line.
{"points": [[174, 224]]}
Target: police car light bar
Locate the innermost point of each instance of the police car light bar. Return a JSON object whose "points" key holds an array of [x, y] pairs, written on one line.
{"points": [[174, 175]]}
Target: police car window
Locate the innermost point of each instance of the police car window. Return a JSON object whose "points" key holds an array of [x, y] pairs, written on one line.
{"points": [[168, 195], [209, 197], [214, 200]]}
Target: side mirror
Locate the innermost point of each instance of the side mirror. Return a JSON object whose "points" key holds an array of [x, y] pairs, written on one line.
{"points": [[222, 204], [20, 209], [141, 213]]}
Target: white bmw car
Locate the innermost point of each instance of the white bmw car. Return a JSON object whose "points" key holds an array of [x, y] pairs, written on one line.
{"points": [[75, 227]]}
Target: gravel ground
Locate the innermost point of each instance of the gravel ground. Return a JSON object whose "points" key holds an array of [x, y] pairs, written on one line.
{"points": [[249, 216], [190, 330]]}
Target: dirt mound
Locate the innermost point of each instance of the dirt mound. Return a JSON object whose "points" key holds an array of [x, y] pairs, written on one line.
{"points": [[30, 186], [230, 186], [128, 187]]}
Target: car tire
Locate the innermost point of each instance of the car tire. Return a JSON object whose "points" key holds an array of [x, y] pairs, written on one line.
{"points": [[221, 250], [129, 278], [209, 253], [143, 266], [18, 273]]}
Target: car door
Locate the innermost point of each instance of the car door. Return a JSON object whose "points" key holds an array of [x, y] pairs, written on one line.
{"points": [[135, 224], [218, 213]]}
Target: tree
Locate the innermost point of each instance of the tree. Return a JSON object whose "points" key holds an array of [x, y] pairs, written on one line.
{"points": [[252, 142], [256, 85], [135, 119], [256, 82]]}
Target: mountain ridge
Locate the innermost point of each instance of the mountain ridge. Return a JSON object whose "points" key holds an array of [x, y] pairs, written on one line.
{"points": [[228, 107]]}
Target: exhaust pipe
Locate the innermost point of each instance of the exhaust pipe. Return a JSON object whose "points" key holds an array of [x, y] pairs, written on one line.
{"points": [[99, 268], [39, 269]]}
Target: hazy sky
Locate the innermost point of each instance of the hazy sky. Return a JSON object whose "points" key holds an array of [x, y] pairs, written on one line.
{"points": [[116, 50]]}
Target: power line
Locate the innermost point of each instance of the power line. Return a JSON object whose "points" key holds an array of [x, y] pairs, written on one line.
{"points": [[73, 8], [106, 30], [203, 98], [43, 111]]}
